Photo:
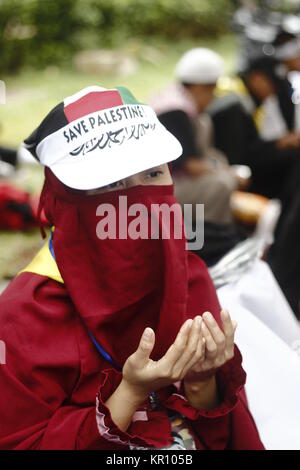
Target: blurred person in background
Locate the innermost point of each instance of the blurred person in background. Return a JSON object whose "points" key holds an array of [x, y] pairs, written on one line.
{"points": [[201, 174], [271, 101], [256, 124], [277, 110], [274, 161], [261, 128], [287, 49], [236, 123], [284, 256]]}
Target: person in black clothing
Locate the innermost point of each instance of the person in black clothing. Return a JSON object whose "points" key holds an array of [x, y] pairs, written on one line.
{"points": [[237, 136], [268, 84], [284, 255], [275, 166]]}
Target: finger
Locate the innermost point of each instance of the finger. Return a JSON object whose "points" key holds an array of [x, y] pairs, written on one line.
{"points": [[146, 345], [198, 357], [177, 348], [210, 346], [227, 325], [230, 349], [191, 347], [215, 331], [229, 328]]}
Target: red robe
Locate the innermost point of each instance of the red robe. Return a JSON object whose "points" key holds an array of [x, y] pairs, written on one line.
{"points": [[54, 384]]}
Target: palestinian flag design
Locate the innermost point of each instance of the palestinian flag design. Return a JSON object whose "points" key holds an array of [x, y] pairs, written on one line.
{"points": [[98, 136], [96, 101]]}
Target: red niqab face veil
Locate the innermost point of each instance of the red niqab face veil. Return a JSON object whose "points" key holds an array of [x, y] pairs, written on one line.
{"points": [[119, 286]]}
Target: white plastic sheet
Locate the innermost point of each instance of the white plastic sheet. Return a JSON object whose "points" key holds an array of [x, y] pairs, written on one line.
{"points": [[268, 336]]}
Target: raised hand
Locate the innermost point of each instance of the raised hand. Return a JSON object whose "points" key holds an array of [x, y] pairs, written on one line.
{"points": [[219, 343], [200, 382], [144, 375]]}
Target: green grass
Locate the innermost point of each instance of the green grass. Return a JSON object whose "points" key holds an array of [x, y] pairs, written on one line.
{"points": [[31, 94]]}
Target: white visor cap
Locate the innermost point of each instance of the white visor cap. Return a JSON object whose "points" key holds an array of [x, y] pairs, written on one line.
{"points": [[200, 66]]}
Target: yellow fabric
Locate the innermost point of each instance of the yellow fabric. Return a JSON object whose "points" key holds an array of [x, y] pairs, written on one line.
{"points": [[258, 117], [227, 85], [44, 264]]}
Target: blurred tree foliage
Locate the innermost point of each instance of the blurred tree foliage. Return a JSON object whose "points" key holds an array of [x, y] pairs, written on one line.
{"points": [[35, 32], [39, 32]]}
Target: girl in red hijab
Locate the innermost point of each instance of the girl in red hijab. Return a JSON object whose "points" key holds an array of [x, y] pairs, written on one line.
{"points": [[116, 342]]}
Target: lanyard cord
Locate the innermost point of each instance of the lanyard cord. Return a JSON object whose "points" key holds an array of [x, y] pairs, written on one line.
{"points": [[103, 353], [51, 245]]}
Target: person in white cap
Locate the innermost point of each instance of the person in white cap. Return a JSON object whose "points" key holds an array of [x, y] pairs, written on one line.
{"points": [[202, 174]]}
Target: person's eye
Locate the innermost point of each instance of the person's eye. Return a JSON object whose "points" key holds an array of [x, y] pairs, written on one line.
{"points": [[116, 184], [154, 174]]}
